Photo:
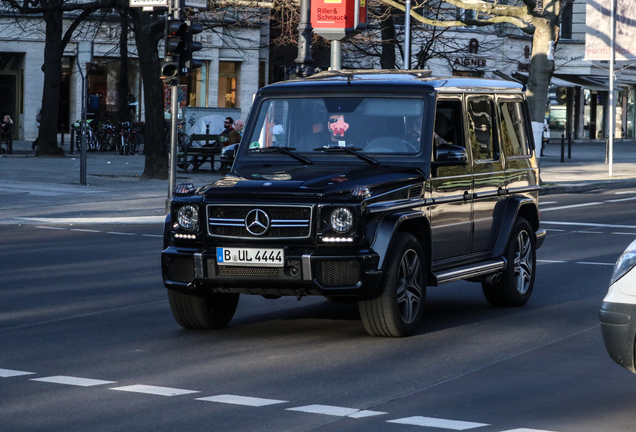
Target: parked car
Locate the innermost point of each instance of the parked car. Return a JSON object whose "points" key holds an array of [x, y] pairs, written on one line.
{"points": [[618, 311], [366, 185]]}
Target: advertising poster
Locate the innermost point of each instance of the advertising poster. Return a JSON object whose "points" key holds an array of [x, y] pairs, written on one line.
{"points": [[598, 34]]}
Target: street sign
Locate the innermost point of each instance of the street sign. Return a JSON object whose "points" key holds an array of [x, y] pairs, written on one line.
{"points": [[148, 3], [337, 19]]}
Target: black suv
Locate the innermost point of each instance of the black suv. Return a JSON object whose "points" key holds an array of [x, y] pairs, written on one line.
{"points": [[370, 185]]}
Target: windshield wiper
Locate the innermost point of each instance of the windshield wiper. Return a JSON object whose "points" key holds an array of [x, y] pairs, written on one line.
{"points": [[351, 150], [287, 151]]}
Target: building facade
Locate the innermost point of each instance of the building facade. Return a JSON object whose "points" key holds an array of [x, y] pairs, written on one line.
{"points": [[234, 64]]}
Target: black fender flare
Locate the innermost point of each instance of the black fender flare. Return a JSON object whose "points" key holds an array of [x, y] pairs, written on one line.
{"points": [[391, 224], [515, 206]]}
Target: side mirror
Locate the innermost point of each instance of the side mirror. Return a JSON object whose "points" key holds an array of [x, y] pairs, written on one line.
{"points": [[450, 155]]}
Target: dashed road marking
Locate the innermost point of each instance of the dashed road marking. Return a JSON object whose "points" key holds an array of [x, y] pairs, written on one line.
{"points": [[595, 263], [241, 400], [75, 381], [8, 373], [438, 423], [336, 411], [584, 224], [154, 390], [551, 262], [526, 430], [571, 206]]}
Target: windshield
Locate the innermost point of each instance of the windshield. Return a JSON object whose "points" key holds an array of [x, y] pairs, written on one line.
{"points": [[313, 126]]}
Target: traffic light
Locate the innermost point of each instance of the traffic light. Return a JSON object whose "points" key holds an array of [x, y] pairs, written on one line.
{"points": [[176, 33], [186, 62]]}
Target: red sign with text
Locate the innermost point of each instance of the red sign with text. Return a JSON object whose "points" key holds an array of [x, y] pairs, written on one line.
{"points": [[339, 14]]}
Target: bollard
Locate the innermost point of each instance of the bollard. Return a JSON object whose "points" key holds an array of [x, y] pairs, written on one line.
{"points": [[72, 138], [570, 145], [62, 138], [606, 150], [562, 148]]}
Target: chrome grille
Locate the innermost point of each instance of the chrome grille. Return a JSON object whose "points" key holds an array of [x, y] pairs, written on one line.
{"points": [[227, 220]]}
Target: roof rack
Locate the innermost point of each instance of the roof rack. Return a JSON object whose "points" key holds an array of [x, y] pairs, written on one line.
{"points": [[349, 73]]}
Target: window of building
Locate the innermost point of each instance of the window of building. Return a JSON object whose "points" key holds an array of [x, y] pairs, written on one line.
{"points": [[228, 84], [566, 22]]}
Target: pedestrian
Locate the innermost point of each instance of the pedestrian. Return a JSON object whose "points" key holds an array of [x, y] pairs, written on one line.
{"points": [[7, 132], [233, 136], [238, 126]]}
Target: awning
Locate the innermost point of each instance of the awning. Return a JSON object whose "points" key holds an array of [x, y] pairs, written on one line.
{"points": [[580, 81]]}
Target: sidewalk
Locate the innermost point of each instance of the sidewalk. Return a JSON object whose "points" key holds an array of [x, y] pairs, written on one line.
{"points": [[38, 188], [587, 170]]}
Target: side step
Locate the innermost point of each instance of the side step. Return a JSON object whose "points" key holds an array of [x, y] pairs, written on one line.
{"points": [[473, 270]]}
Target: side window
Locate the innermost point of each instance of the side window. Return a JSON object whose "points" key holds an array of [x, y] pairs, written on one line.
{"points": [[481, 128], [448, 123], [514, 139]]}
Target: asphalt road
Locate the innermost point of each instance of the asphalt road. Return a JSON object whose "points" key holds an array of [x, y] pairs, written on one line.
{"points": [[87, 342]]}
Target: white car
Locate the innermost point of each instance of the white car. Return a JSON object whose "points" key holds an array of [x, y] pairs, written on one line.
{"points": [[618, 312]]}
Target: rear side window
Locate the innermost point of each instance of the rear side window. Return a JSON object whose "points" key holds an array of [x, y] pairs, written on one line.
{"points": [[482, 133], [514, 139]]}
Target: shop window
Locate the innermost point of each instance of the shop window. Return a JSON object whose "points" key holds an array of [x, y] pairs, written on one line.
{"points": [[228, 84]]}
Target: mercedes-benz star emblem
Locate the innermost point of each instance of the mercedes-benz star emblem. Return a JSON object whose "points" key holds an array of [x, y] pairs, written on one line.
{"points": [[257, 222]]}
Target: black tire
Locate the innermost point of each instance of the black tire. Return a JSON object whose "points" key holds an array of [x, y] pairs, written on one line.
{"points": [[193, 312], [397, 310], [517, 280]]}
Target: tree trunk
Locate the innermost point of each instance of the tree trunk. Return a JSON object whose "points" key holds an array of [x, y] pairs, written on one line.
{"points": [[541, 70], [52, 68], [387, 26], [122, 86], [147, 36]]}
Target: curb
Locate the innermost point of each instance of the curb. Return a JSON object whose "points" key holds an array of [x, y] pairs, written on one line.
{"points": [[585, 187]]}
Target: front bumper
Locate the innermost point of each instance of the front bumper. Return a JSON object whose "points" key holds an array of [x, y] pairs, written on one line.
{"points": [[329, 272], [618, 327]]}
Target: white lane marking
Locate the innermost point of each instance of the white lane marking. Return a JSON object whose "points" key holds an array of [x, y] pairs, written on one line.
{"points": [[154, 390], [625, 192], [589, 224], [99, 220], [241, 400], [548, 202], [50, 227], [152, 235], [621, 200], [8, 373], [84, 230], [120, 233], [69, 380], [438, 423], [571, 206], [526, 430], [588, 232], [336, 411], [594, 263], [551, 261], [555, 230], [625, 233]]}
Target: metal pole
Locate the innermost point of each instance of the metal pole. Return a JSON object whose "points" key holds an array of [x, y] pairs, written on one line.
{"points": [[83, 130], [407, 36], [304, 61], [611, 125], [174, 109], [336, 47]]}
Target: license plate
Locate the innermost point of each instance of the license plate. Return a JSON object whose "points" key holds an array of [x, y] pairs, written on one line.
{"points": [[255, 257]]}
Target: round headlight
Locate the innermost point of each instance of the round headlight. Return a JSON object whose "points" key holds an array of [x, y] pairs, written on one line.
{"points": [[341, 220], [188, 217]]}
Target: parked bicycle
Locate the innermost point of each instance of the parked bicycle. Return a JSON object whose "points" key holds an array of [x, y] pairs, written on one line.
{"points": [[91, 140], [106, 137], [128, 142]]}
